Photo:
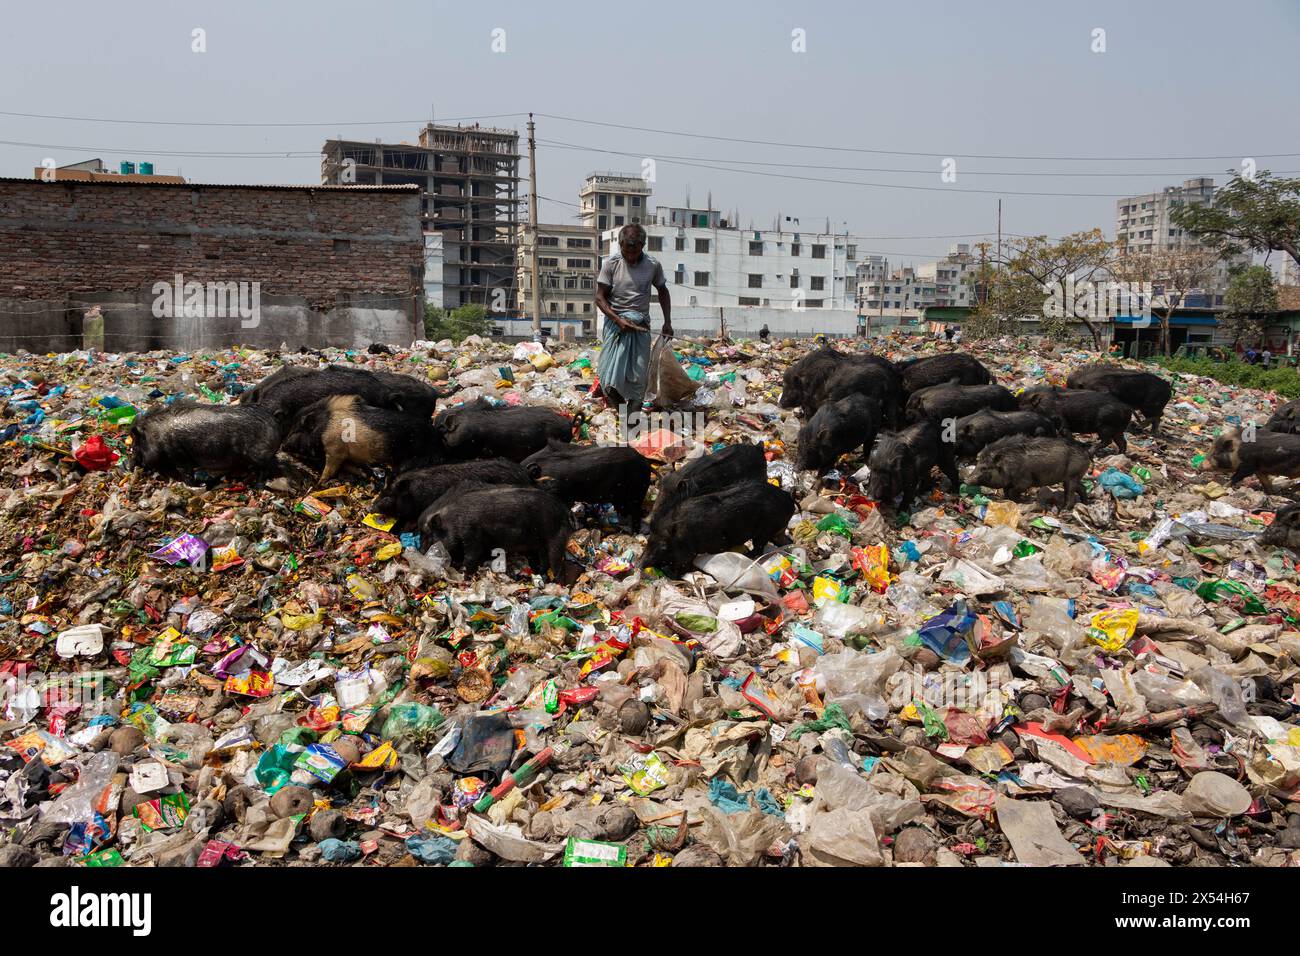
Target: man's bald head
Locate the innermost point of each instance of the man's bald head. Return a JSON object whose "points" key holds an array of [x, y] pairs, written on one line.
{"points": [[631, 240]]}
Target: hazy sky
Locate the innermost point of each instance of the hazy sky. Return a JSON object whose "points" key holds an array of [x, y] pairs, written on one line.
{"points": [[1183, 89]]}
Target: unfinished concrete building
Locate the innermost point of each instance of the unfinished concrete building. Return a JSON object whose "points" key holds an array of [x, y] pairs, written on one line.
{"points": [[470, 179]]}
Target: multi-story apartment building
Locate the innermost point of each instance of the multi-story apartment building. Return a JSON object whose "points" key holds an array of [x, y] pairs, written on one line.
{"points": [[710, 263], [945, 282], [470, 179], [1145, 224], [951, 276], [566, 268], [612, 200]]}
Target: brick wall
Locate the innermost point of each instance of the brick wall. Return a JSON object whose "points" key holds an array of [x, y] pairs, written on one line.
{"points": [[61, 239]]}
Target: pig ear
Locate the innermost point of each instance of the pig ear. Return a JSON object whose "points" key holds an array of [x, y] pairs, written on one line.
{"points": [[534, 470]]}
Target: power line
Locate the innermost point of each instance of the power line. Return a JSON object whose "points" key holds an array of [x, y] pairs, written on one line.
{"points": [[943, 189], [900, 152], [871, 169], [281, 154], [407, 122]]}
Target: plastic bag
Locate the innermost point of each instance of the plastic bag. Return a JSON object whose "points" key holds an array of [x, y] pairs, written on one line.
{"points": [[410, 720], [668, 384], [856, 680], [736, 572]]}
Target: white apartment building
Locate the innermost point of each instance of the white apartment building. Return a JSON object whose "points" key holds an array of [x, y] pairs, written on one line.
{"points": [[710, 263], [951, 276], [945, 282], [1144, 224], [610, 200], [567, 264]]}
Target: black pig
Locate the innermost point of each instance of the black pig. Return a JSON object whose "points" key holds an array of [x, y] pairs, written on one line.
{"points": [[483, 430], [1147, 393], [736, 464], [185, 436], [472, 521], [414, 491], [1019, 462], [1269, 454], [941, 369], [754, 511], [973, 432], [616, 475], [902, 461], [291, 389], [836, 429], [1286, 418], [1082, 410], [938, 402], [868, 376], [1284, 532]]}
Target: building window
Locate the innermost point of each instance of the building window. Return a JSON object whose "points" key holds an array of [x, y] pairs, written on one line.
{"points": [[814, 303], [756, 281], [636, 201], [554, 307], [746, 300], [618, 220], [656, 243], [852, 252], [818, 283], [578, 243], [586, 307], [579, 263], [548, 240], [342, 245], [794, 248], [794, 281], [568, 307], [819, 252], [603, 222], [755, 248], [701, 279], [618, 200], [548, 262], [679, 277], [701, 245], [602, 202], [681, 244]]}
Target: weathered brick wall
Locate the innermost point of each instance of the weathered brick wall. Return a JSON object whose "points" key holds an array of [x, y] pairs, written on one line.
{"points": [[61, 239]]}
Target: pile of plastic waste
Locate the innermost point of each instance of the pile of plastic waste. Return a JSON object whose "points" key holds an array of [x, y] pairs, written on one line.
{"points": [[249, 673]]}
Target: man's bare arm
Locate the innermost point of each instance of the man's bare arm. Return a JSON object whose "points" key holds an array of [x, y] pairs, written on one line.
{"points": [[666, 306]]}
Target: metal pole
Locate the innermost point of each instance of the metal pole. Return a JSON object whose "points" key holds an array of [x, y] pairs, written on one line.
{"points": [[532, 230]]}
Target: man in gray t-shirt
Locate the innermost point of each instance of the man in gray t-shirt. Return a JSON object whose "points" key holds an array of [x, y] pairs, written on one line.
{"points": [[623, 297]]}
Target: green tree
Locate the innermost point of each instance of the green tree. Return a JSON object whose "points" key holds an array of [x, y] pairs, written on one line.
{"points": [[457, 325], [1260, 213], [1249, 301], [1039, 272]]}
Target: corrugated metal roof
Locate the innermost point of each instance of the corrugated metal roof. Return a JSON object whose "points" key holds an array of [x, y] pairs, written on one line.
{"points": [[404, 187]]}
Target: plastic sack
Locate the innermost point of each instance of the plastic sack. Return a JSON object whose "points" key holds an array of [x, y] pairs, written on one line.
{"points": [[410, 720], [668, 384], [856, 680], [736, 572], [1119, 484], [82, 800]]}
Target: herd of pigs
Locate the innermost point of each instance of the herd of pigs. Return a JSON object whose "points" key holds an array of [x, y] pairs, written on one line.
{"points": [[479, 477]]}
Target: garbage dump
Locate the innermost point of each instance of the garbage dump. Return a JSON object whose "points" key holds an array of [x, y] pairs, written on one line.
{"points": [[884, 603]]}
